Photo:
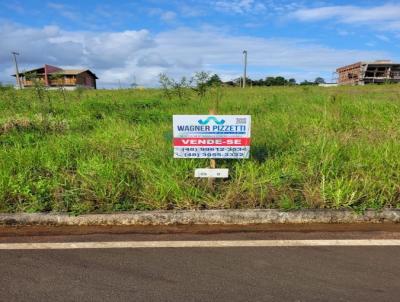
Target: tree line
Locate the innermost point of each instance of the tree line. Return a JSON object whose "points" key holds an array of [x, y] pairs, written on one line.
{"points": [[203, 79], [202, 82], [270, 81]]}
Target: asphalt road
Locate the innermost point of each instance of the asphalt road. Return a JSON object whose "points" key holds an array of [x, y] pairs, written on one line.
{"points": [[312, 273]]}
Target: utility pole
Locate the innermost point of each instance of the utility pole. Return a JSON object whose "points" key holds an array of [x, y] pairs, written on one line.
{"points": [[245, 68], [134, 84], [15, 54]]}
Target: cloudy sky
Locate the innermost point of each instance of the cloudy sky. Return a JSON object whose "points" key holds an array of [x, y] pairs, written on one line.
{"points": [[125, 40]]}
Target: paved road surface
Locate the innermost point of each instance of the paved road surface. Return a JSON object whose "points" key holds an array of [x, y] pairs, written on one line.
{"points": [[329, 273]]}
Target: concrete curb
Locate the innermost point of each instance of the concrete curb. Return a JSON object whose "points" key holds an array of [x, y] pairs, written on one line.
{"points": [[206, 217]]}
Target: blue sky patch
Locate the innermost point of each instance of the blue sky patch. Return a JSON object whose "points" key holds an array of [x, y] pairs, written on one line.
{"points": [[134, 41]]}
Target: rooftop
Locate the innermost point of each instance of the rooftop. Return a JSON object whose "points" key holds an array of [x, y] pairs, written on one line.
{"points": [[54, 69]]}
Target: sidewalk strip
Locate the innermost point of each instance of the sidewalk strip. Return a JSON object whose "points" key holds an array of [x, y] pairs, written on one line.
{"points": [[197, 244]]}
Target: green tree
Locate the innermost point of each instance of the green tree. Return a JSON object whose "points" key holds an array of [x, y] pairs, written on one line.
{"points": [[270, 81], [201, 80], [172, 87], [259, 82], [37, 83], [214, 80], [307, 83], [280, 81], [166, 84], [276, 81]]}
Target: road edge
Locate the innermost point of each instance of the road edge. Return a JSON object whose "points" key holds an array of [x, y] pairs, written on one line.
{"points": [[206, 217]]}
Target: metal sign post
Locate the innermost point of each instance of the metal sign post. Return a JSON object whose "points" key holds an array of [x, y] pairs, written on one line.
{"points": [[213, 162]]}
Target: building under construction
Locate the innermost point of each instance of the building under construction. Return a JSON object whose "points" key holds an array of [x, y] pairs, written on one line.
{"points": [[361, 73]]}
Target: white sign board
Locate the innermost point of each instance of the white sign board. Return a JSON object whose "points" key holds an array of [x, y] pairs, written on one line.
{"points": [[211, 173], [211, 136]]}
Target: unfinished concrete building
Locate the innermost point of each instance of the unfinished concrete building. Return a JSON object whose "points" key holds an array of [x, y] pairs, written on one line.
{"points": [[361, 73]]}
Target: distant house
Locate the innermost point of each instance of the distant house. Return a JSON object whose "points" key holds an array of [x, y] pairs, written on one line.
{"points": [[53, 77], [362, 73]]}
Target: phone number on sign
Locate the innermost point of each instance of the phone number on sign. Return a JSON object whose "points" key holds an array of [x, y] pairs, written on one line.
{"points": [[212, 155], [212, 149]]}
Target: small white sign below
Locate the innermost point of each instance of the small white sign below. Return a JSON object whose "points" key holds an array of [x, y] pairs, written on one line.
{"points": [[211, 173]]}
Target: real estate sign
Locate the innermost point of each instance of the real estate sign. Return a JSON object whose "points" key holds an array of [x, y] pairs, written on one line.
{"points": [[211, 136]]}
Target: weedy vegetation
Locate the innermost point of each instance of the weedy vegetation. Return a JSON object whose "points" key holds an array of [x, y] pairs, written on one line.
{"points": [[111, 150]]}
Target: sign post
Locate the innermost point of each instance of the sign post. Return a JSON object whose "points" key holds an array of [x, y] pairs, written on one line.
{"points": [[213, 162]]}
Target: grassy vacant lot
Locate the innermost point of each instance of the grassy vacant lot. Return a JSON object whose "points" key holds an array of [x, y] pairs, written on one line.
{"points": [[100, 151]]}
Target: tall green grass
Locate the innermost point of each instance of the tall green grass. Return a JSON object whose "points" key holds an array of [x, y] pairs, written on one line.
{"points": [[102, 151]]}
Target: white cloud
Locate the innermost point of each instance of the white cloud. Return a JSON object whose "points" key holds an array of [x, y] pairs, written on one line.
{"points": [[383, 38], [152, 60], [14, 6], [64, 10], [189, 11], [255, 7], [342, 32], [117, 56], [386, 15], [215, 48], [239, 6], [168, 16], [101, 50]]}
